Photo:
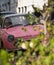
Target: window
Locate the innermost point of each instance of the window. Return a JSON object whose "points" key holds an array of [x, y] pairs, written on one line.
{"points": [[19, 10], [25, 9], [7, 22]]}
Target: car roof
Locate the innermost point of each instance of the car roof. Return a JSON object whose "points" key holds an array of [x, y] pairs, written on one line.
{"points": [[11, 15]]}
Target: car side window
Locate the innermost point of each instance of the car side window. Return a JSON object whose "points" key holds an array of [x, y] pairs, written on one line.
{"points": [[7, 22]]}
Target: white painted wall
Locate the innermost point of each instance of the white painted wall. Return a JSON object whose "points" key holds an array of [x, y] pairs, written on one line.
{"points": [[28, 3], [40, 3]]}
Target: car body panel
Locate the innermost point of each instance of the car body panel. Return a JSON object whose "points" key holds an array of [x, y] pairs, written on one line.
{"points": [[6, 44], [19, 32]]}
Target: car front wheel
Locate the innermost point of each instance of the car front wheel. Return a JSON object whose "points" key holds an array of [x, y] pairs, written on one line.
{"points": [[1, 44]]}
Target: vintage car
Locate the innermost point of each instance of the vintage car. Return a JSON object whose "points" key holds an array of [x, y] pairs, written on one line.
{"points": [[16, 26]]}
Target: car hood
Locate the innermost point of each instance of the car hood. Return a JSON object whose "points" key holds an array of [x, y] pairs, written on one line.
{"points": [[25, 31]]}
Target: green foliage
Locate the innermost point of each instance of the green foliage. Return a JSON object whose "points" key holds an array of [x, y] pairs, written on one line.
{"points": [[4, 57], [31, 18]]}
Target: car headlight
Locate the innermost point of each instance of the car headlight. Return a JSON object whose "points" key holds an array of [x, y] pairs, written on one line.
{"points": [[10, 38]]}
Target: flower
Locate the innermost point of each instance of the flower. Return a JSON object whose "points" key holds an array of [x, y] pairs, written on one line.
{"points": [[31, 44], [23, 46]]}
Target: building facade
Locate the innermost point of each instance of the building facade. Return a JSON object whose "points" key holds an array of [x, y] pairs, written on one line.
{"points": [[4, 5], [8, 5], [23, 6]]}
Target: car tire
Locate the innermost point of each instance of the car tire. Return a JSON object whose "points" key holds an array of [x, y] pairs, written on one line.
{"points": [[1, 44]]}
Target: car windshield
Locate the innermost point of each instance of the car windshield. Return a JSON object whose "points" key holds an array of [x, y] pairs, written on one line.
{"points": [[19, 20]]}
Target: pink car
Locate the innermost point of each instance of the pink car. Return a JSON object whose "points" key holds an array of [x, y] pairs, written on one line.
{"points": [[17, 26]]}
